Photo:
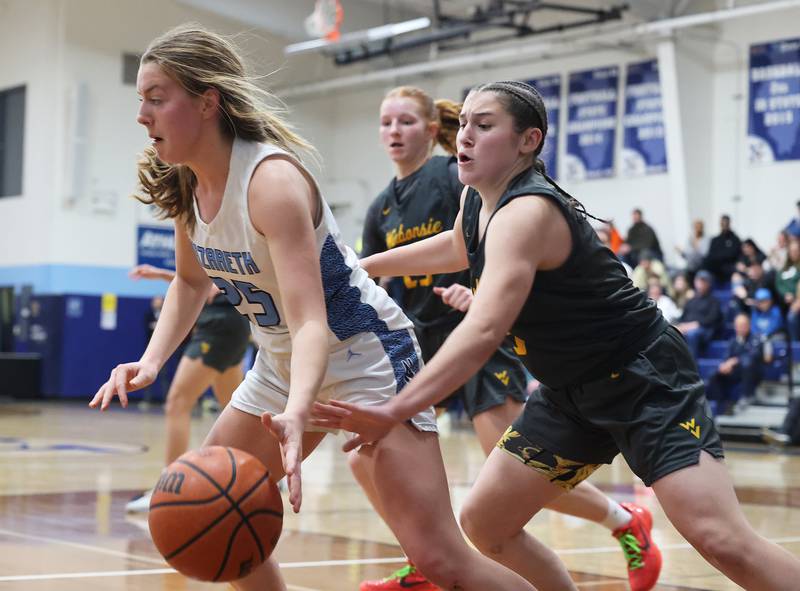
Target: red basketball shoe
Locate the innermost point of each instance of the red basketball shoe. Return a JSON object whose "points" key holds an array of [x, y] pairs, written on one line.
{"points": [[641, 552], [407, 577]]}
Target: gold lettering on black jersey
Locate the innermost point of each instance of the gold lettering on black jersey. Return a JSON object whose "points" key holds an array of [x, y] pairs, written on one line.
{"points": [[401, 234], [412, 281]]}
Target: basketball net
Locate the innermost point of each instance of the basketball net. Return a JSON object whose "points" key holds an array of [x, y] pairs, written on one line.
{"points": [[324, 22]]}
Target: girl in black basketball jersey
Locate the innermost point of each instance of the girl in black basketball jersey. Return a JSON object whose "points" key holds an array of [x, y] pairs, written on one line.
{"points": [[421, 201], [615, 376]]}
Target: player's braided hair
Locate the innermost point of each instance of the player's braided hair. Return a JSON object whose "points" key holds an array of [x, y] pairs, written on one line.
{"points": [[526, 107]]}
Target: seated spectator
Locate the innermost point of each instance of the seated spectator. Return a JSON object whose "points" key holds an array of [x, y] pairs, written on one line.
{"points": [[696, 248], [766, 317], [741, 372], [793, 228], [702, 317], [750, 254], [744, 287], [776, 259], [641, 237], [649, 267], [668, 308], [615, 239], [787, 277], [682, 291], [723, 252]]}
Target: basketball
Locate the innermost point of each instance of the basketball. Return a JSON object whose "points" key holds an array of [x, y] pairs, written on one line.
{"points": [[215, 514]]}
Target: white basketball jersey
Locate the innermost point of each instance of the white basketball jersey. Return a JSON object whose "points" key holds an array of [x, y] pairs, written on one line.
{"points": [[236, 257]]}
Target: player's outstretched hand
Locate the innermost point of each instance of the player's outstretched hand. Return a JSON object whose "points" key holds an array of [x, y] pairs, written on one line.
{"points": [[125, 378], [456, 296], [369, 423], [145, 272], [288, 430]]}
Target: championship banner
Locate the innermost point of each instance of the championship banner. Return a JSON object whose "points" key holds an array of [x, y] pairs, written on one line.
{"points": [[774, 105], [550, 89], [591, 123], [155, 245], [644, 150]]}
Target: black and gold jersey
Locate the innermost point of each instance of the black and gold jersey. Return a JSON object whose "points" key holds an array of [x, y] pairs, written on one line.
{"points": [[581, 320], [419, 206]]}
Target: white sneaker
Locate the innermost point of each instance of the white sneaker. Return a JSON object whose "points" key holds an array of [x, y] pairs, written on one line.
{"points": [[140, 504], [775, 437]]}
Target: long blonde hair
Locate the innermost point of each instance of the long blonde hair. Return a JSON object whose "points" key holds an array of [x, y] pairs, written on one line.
{"points": [[198, 60], [444, 112]]}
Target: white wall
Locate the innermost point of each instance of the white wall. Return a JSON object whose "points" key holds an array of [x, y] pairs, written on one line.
{"points": [[355, 153], [29, 48], [712, 90], [53, 45], [766, 193]]}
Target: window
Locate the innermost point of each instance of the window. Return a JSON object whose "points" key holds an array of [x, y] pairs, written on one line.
{"points": [[12, 131]]}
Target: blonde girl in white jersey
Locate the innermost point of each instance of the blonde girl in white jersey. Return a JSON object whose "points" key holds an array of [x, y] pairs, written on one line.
{"points": [[248, 214]]}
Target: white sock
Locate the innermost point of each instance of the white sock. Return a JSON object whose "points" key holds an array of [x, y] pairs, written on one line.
{"points": [[617, 516]]}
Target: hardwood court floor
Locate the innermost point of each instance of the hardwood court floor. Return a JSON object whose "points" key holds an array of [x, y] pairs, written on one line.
{"points": [[66, 473]]}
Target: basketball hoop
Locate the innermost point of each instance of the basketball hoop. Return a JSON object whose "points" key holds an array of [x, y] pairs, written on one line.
{"points": [[325, 20]]}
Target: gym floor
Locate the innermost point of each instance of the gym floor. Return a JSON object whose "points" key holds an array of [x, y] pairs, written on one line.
{"points": [[66, 473]]}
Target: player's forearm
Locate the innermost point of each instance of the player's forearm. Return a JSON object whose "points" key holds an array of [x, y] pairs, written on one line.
{"points": [[426, 257], [465, 351], [182, 305], [308, 367]]}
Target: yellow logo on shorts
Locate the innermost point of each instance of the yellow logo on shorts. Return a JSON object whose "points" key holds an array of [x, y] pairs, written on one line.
{"points": [[205, 347], [692, 427], [503, 376]]}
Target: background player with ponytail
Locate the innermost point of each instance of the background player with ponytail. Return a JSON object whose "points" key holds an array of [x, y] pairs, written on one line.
{"points": [[422, 200]]}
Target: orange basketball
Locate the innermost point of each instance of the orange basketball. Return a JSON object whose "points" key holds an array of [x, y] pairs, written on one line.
{"points": [[215, 514]]}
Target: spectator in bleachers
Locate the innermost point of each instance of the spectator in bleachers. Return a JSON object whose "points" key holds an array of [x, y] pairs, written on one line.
{"points": [[682, 290], [615, 239], [741, 372], [776, 259], [702, 316], [793, 228], [696, 248], [787, 277], [744, 287], [723, 252], [766, 316], [668, 308], [649, 267], [641, 237], [750, 254]]}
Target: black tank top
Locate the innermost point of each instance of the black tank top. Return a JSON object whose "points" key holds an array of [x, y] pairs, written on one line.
{"points": [[420, 206], [582, 320]]}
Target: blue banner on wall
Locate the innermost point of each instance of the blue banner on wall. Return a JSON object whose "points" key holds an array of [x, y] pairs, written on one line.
{"points": [[155, 245], [644, 150], [591, 123], [774, 106], [550, 89]]}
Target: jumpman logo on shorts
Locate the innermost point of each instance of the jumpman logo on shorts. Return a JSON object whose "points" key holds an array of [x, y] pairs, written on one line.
{"points": [[351, 354]]}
